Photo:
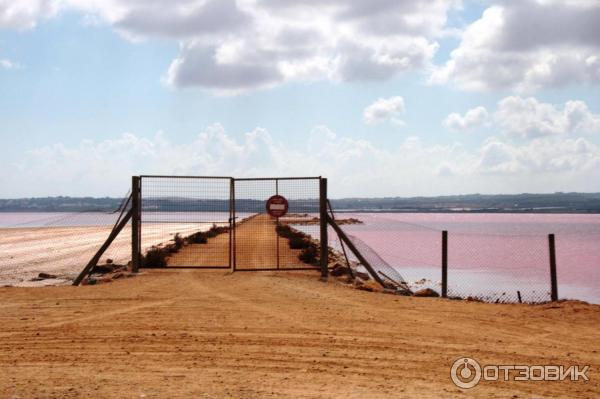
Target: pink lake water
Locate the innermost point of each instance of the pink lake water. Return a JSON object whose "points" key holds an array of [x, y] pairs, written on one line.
{"points": [[490, 256]]}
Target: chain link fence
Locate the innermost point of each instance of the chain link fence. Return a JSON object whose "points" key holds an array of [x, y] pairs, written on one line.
{"points": [[504, 268], [407, 252], [499, 268]]}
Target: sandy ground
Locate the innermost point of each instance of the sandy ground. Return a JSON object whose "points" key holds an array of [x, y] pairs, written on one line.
{"points": [[213, 334], [256, 247], [26, 252]]}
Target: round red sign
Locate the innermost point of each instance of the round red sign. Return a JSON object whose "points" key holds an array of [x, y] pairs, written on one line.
{"points": [[277, 206]]}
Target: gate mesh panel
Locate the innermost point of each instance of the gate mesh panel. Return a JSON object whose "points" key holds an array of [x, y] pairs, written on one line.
{"points": [[266, 243], [185, 221]]}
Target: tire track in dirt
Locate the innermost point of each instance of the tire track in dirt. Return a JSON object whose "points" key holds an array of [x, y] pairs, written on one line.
{"points": [[189, 333]]}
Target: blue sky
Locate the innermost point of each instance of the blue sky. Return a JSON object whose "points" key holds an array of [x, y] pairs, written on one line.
{"points": [[427, 98]]}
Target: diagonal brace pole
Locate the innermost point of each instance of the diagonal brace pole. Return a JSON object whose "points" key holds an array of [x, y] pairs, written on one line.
{"points": [[111, 237], [353, 248], [341, 242]]}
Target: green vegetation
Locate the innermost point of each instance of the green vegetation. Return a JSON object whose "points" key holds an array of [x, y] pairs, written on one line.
{"points": [[299, 240], [202, 237], [155, 257], [310, 255], [298, 243], [198, 238]]}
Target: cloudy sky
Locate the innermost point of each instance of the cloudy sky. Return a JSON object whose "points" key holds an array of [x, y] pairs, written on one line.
{"points": [[384, 97]]}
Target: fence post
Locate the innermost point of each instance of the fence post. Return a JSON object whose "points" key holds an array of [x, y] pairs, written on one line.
{"points": [[277, 226], [553, 280], [232, 238], [323, 222], [135, 223], [444, 264]]}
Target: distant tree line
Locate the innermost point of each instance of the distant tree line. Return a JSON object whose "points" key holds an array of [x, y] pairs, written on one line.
{"points": [[60, 204], [543, 203]]}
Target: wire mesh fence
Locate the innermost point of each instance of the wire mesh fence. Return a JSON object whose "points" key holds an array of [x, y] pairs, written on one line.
{"points": [[580, 250], [499, 268], [407, 252], [386, 272], [263, 242], [481, 266], [186, 221], [58, 244], [222, 222]]}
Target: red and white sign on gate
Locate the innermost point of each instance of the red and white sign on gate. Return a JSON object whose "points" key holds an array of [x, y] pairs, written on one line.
{"points": [[277, 206]]}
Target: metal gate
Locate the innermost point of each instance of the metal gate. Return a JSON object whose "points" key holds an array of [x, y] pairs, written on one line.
{"points": [[179, 215], [262, 242], [222, 222]]}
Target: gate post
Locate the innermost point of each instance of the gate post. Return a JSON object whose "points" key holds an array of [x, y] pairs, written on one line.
{"points": [[136, 244], [323, 220]]}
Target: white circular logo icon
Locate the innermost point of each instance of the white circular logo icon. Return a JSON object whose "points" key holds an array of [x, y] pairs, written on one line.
{"points": [[465, 372]]}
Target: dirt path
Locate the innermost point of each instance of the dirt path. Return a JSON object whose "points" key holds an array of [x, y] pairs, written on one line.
{"points": [[211, 334], [256, 248]]}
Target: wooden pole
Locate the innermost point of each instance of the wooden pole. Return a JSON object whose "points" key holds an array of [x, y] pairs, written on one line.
{"points": [[323, 222], [94, 261], [233, 238], [136, 244], [231, 223], [553, 279], [341, 243], [354, 250], [444, 264], [277, 225]]}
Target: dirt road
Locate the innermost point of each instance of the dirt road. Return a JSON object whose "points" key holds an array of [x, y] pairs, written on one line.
{"points": [[256, 247], [211, 334]]}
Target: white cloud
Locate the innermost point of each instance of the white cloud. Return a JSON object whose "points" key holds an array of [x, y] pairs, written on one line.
{"points": [[498, 157], [279, 42], [197, 65], [385, 109], [548, 157], [529, 118], [445, 170], [355, 167], [472, 119], [229, 46], [24, 14], [527, 45], [8, 64]]}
